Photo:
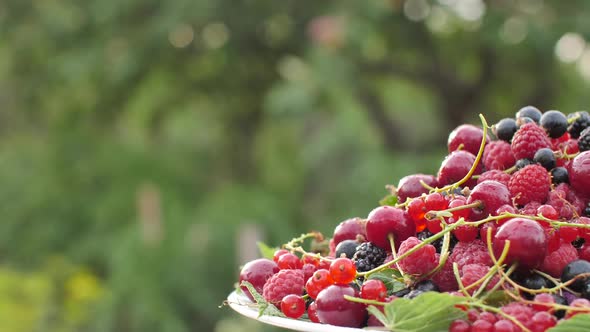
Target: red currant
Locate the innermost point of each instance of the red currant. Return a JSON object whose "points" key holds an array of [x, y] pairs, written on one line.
{"points": [[548, 211], [343, 271], [318, 281], [435, 202], [374, 289], [312, 312], [293, 306], [278, 254]]}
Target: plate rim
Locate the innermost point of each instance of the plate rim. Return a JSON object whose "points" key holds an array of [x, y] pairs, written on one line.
{"points": [[242, 305]]}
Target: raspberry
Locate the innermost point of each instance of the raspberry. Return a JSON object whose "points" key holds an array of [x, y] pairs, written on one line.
{"points": [[558, 199], [421, 261], [527, 140], [496, 175], [521, 312], [558, 259], [530, 208], [473, 252], [368, 256], [529, 184], [283, 283], [445, 277], [498, 155], [471, 273]]}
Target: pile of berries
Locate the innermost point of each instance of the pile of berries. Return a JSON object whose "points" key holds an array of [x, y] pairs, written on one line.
{"points": [[508, 211]]}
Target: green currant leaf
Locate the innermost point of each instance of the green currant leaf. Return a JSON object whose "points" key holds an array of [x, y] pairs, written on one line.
{"points": [[388, 200], [391, 278], [429, 312], [264, 307], [580, 322], [266, 251]]}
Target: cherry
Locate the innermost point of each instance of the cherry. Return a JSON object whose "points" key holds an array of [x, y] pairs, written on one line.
{"points": [[343, 271], [542, 321], [257, 272], [374, 289], [466, 136], [460, 325], [278, 254], [491, 195], [349, 229], [455, 166], [410, 186], [332, 308], [528, 243], [386, 220], [289, 261], [504, 325], [293, 306], [580, 173], [456, 203], [416, 210], [312, 312], [435, 202], [481, 325]]}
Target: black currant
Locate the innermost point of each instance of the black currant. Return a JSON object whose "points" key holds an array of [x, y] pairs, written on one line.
{"points": [[529, 112], [574, 269], [559, 175], [505, 129], [554, 123], [545, 158], [426, 286], [520, 163], [578, 122], [562, 301], [346, 248]]}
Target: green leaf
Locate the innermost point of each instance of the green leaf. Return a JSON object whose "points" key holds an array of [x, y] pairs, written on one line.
{"points": [[391, 279], [264, 307], [266, 251], [390, 200], [429, 312], [580, 322]]}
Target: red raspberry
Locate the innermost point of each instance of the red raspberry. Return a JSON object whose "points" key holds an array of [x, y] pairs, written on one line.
{"points": [[421, 261], [527, 140], [521, 312], [496, 175], [473, 252], [558, 259], [445, 277], [471, 273], [529, 184], [530, 208], [498, 155], [558, 199], [283, 283]]}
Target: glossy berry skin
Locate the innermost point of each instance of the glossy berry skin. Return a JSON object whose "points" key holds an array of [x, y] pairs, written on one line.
{"points": [[374, 289], [466, 135], [559, 175], [491, 195], [574, 269], [579, 173], [554, 122], [289, 261], [318, 281], [312, 312], [460, 325], [455, 166], [385, 220], [545, 158], [410, 186], [529, 112], [528, 243], [293, 306], [278, 254], [349, 229], [332, 308], [505, 129], [343, 271], [257, 272], [346, 248]]}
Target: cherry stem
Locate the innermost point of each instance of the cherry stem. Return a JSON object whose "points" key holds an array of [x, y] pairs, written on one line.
{"points": [[444, 213], [364, 301]]}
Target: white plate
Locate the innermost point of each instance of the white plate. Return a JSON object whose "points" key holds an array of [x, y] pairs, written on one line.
{"points": [[241, 304]]}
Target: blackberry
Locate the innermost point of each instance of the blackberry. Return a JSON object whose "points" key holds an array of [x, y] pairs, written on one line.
{"points": [[437, 243], [581, 122], [584, 140], [368, 256]]}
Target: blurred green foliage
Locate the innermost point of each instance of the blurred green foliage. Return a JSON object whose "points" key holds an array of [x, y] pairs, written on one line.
{"points": [[140, 137]]}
